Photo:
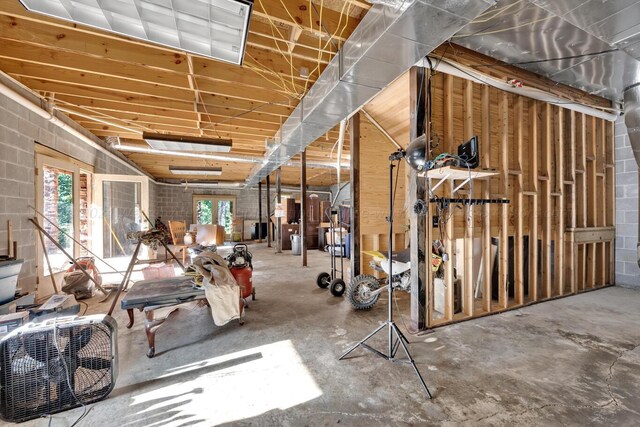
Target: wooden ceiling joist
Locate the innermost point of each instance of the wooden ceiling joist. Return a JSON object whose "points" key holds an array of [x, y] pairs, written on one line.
{"points": [[116, 86]]}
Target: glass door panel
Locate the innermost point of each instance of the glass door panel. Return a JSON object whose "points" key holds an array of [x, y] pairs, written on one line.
{"points": [[122, 215], [204, 212], [225, 215], [58, 207]]}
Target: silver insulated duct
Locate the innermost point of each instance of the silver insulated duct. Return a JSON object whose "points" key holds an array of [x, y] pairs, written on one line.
{"points": [[391, 38], [632, 120]]}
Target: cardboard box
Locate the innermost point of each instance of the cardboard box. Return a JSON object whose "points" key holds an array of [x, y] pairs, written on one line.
{"points": [[9, 322]]}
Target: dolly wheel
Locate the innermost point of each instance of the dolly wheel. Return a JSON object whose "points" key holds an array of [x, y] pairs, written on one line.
{"points": [[338, 287], [253, 294], [323, 280]]}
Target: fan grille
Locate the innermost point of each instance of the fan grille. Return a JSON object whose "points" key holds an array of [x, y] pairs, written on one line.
{"points": [[56, 366]]}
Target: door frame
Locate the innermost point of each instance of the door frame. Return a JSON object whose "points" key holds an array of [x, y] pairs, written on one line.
{"points": [[98, 205], [214, 198], [46, 156]]}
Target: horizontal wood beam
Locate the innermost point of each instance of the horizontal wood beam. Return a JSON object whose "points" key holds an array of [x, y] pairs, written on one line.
{"points": [[591, 234]]}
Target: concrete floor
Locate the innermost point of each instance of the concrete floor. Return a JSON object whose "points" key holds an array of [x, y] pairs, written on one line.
{"points": [[573, 361]]}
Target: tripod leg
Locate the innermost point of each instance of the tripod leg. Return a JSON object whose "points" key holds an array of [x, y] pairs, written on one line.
{"points": [[401, 335], [413, 363], [378, 329], [394, 350]]}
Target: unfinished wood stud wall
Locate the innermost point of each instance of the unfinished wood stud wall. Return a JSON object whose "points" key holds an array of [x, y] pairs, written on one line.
{"points": [[555, 236]]}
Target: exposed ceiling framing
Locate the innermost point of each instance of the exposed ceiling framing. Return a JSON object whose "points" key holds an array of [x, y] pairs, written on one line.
{"points": [[120, 87]]}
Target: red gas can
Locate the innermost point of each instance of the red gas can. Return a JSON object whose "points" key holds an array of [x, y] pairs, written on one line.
{"points": [[243, 277]]}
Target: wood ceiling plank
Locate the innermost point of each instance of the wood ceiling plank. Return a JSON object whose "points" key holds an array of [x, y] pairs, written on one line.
{"points": [[25, 25], [107, 107], [154, 119], [141, 62], [211, 101], [124, 84], [264, 30], [253, 138], [296, 12]]}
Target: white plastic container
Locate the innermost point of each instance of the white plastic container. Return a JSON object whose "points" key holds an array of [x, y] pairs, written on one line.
{"points": [[9, 271]]}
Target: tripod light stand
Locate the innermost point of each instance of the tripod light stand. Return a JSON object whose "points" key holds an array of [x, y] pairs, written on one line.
{"points": [[398, 340]]}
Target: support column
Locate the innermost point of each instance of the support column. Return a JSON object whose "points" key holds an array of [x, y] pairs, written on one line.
{"points": [[354, 220], [417, 191], [303, 205], [268, 211], [260, 212], [279, 220]]}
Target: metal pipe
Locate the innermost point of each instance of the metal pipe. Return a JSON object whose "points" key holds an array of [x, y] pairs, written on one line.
{"points": [[219, 157]]}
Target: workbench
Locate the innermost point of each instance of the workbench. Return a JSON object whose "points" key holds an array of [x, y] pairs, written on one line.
{"points": [[154, 294]]}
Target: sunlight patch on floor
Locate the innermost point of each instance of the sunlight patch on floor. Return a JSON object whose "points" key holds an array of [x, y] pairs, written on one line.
{"points": [[230, 388]]}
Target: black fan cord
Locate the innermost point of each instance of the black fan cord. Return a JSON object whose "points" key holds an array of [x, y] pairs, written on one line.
{"points": [[85, 411]]}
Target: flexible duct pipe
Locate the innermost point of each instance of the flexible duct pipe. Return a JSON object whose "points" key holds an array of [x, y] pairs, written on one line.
{"points": [[37, 109], [533, 93]]}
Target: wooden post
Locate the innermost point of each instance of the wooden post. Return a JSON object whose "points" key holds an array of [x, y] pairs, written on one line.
{"points": [[354, 212], [417, 191], [571, 202], [533, 187], [560, 223], [260, 212], [468, 301], [503, 114], [10, 251], [547, 206], [268, 212], [303, 206], [279, 220], [518, 241], [449, 280], [485, 160]]}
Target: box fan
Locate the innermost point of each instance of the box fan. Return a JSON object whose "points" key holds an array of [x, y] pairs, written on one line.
{"points": [[57, 365]]}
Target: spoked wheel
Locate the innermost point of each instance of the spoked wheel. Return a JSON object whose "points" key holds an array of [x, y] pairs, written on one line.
{"points": [[323, 280], [359, 292], [338, 287]]}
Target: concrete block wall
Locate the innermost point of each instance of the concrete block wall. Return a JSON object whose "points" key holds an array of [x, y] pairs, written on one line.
{"points": [[627, 270], [20, 129], [174, 203]]}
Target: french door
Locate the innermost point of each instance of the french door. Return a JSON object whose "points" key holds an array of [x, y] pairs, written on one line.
{"points": [[217, 210], [121, 207], [63, 198]]}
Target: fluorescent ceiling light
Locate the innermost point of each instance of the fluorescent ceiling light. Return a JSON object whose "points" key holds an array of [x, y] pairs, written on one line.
{"points": [[161, 141], [214, 28], [190, 170]]}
